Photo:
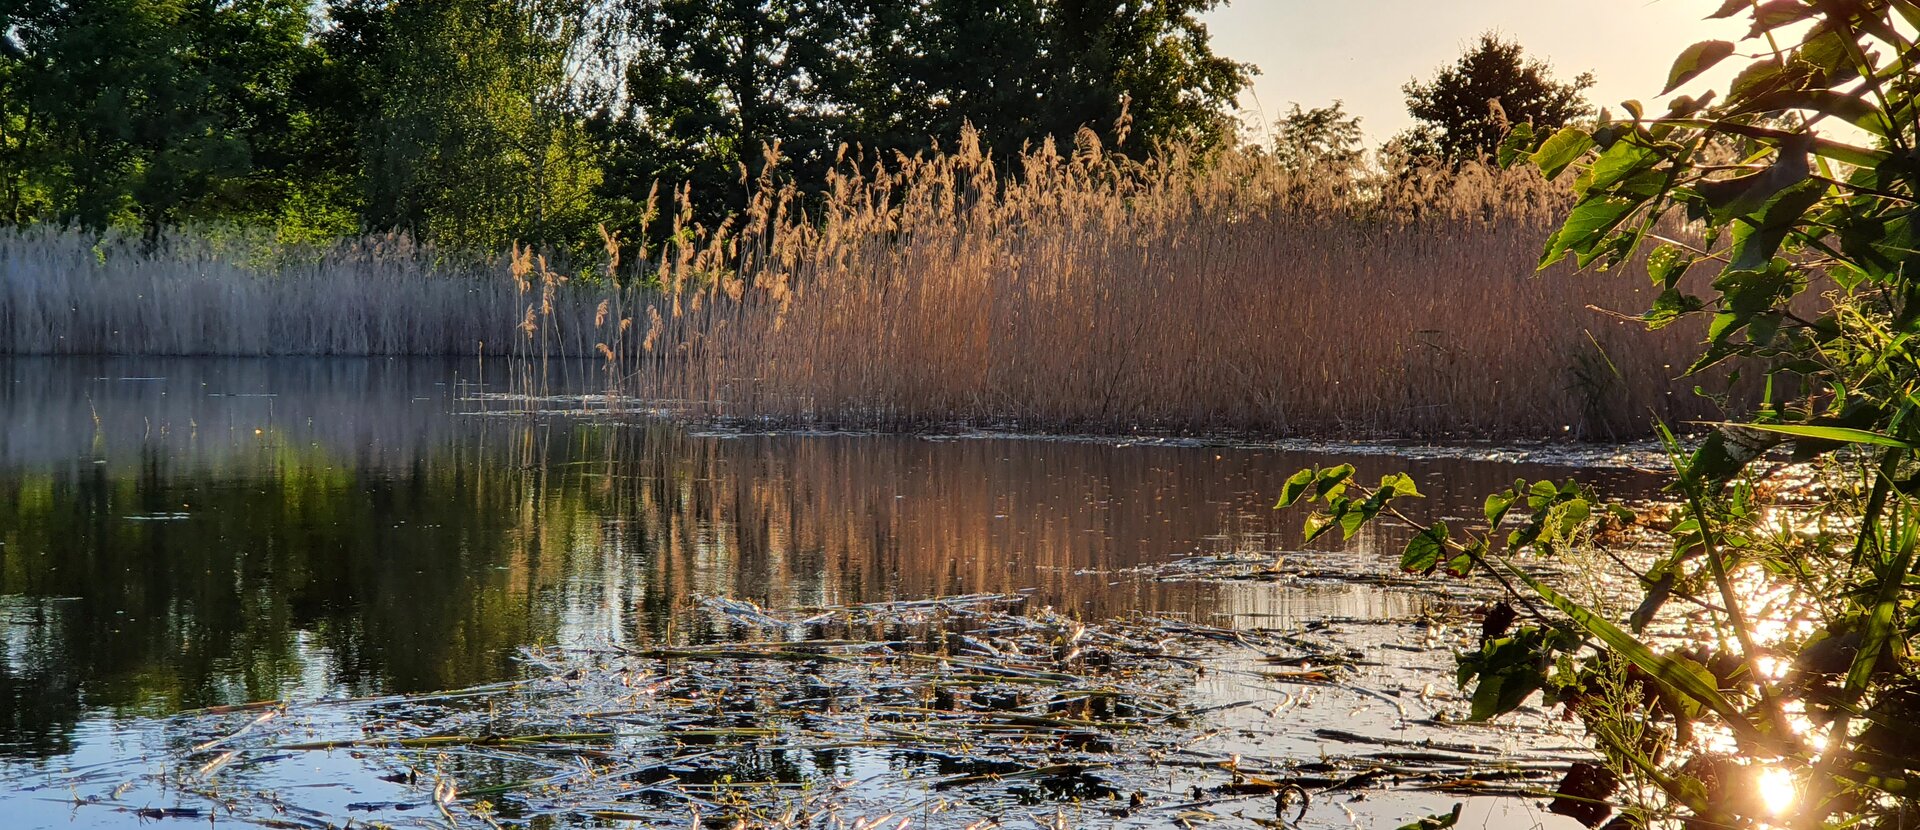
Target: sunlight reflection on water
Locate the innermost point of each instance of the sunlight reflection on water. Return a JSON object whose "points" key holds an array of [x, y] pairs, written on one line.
{"points": [[191, 533]]}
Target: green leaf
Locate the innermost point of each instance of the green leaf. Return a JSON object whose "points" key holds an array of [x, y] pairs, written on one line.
{"points": [[1425, 549], [1759, 78], [1316, 526], [1664, 669], [1843, 435], [1571, 516], [1541, 495], [1509, 670], [1295, 487], [1351, 522], [1831, 54], [1729, 8], [1743, 195], [1669, 307], [1667, 264], [1621, 161], [1516, 146], [1401, 485], [1774, 14], [1329, 482], [1694, 60], [1496, 507], [1745, 294], [1461, 564], [1587, 224], [1561, 150], [1357, 514]]}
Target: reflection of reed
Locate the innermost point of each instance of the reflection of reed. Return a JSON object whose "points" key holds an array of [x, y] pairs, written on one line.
{"points": [[379, 411], [366, 540], [824, 520]]}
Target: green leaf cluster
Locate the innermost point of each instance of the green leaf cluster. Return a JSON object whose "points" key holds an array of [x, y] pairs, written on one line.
{"points": [[1782, 207], [476, 123]]}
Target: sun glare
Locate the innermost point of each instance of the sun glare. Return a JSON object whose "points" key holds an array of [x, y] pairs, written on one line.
{"points": [[1776, 790]]}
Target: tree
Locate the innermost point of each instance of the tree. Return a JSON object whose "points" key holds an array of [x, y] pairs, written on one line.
{"points": [[707, 85], [463, 118], [1045, 68], [1322, 139], [140, 113], [1465, 109], [477, 122]]}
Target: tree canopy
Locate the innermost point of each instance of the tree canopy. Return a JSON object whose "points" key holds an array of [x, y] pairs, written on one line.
{"points": [[475, 122], [1322, 138], [1465, 109]]}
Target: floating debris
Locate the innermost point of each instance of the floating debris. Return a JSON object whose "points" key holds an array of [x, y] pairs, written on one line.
{"points": [[959, 711]]}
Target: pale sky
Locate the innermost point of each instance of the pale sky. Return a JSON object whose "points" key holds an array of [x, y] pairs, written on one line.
{"points": [[1362, 51]]}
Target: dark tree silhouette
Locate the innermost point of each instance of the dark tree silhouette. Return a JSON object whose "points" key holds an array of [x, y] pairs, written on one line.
{"points": [[1464, 111]]}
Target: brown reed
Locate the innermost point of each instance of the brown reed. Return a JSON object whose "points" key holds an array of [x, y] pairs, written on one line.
{"points": [[1091, 292], [1085, 291]]}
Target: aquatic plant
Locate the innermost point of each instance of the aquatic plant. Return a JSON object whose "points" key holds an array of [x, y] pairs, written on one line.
{"points": [[1089, 290], [205, 294], [1766, 677], [1085, 290]]}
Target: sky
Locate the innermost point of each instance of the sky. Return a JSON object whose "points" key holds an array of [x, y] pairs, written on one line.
{"points": [[1363, 51]]}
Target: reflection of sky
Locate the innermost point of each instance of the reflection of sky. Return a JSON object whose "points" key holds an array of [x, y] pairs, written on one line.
{"points": [[366, 539]]}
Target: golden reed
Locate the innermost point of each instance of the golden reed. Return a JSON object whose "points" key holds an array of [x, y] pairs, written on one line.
{"points": [[1095, 293], [1084, 291]]}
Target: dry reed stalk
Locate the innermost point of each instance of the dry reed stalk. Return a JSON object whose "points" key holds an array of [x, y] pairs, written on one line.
{"points": [[1088, 292], [1095, 293]]}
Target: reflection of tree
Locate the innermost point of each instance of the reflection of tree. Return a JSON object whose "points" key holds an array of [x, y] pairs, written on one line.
{"points": [[307, 566], [37, 685]]}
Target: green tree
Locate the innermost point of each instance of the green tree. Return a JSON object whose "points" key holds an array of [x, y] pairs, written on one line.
{"points": [[1045, 68], [1465, 109], [463, 117], [1320, 139], [706, 85], [147, 113]]}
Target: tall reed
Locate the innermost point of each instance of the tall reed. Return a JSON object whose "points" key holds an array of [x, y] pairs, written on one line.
{"points": [[63, 292], [1091, 292], [1084, 291]]}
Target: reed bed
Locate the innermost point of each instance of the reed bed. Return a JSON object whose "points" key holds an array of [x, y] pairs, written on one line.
{"points": [[1095, 293], [1084, 292], [69, 293]]}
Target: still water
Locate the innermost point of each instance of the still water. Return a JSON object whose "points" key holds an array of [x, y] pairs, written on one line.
{"points": [[185, 533]]}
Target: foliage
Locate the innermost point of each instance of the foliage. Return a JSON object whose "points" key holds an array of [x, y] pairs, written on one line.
{"points": [[1321, 140], [473, 123], [466, 132], [1464, 110], [705, 86], [1805, 247], [146, 113]]}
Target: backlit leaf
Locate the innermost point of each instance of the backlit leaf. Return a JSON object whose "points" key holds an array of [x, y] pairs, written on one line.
{"points": [[1561, 150], [1696, 59], [1425, 549], [1295, 487]]}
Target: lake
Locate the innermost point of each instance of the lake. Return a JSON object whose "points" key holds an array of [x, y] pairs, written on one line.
{"points": [[177, 534]]}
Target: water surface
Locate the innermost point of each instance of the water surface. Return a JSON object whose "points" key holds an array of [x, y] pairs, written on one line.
{"points": [[184, 533]]}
